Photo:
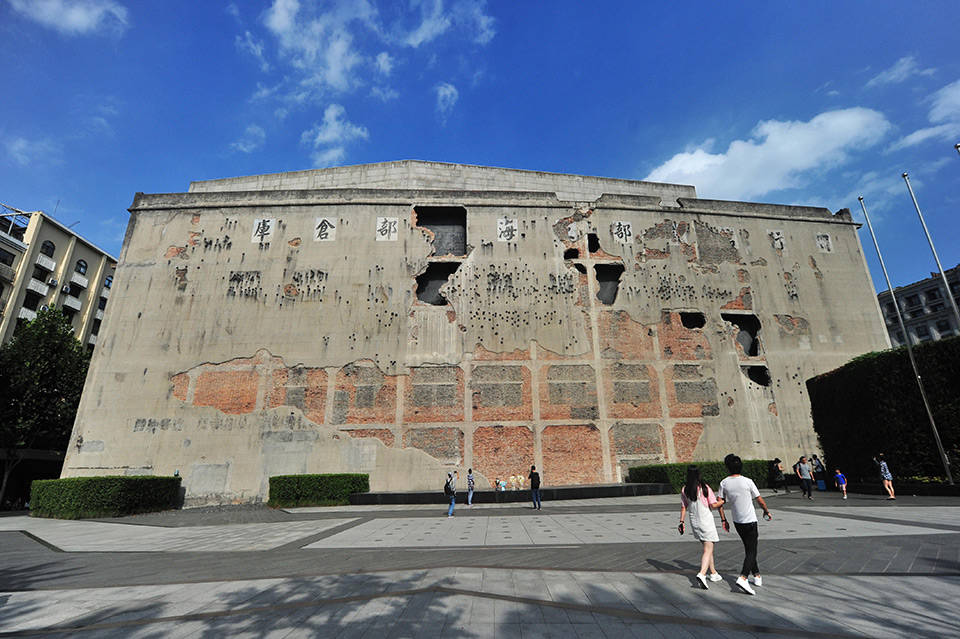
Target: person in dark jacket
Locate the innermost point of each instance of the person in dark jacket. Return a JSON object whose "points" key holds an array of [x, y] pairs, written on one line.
{"points": [[534, 478], [776, 476]]}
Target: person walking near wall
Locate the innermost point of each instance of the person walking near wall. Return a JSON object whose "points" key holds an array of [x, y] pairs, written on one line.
{"points": [[450, 490], [819, 472], [534, 478], [698, 498], [470, 485], [805, 473], [776, 476], [739, 492], [886, 477]]}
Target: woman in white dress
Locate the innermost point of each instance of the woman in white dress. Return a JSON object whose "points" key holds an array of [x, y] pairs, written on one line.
{"points": [[698, 498]]}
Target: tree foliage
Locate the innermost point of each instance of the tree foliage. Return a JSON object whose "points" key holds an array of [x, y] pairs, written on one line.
{"points": [[42, 371]]}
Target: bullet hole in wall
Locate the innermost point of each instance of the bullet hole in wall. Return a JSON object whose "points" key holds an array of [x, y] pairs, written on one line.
{"points": [[748, 335], [693, 320], [571, 254], [449, 227], [608, 280], [593, 243], [430, 281], [757, 374]]}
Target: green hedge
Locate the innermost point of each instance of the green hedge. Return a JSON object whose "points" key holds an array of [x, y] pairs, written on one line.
{"points": [[288, 491], [872, 405], [110, 496], [710, 471]]}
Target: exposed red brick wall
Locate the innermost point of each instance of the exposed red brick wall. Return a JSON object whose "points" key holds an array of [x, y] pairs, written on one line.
{"points": [[572, 455], [501, 451], [364, 395], [446, 444], [632, 391], [180, 384], [678, 342], [383, 434], [622, 338], [277, 396], [743, 301], [501, 393], [686, 436], [691, 391], [568, 391], [434, 394], [233, 392]]}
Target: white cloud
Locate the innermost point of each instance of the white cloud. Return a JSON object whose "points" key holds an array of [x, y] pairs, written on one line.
{"points": [[384, 63], [26, 152], [384, 94], [328, 138], [252, 139], [902, 70], [778, 155], [447, 96], [75, 17], [944, 115], [433, 23], [248, 44], [233, 10], [471, 14], [328, 157]]}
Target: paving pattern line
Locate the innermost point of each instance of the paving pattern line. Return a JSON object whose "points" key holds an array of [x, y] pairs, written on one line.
{"points": [[874, 519], [317, 603]]}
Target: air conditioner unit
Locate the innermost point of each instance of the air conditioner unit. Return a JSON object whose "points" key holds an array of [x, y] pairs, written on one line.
{"points": [[44, 307], [52, 281], [66, 289]]}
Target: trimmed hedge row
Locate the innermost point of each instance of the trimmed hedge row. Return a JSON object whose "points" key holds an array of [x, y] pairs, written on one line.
{"points": [[710, 471], [110, 496], [288, 491], [872, 404]]}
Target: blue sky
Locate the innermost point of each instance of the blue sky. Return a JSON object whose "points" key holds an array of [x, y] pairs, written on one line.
{"points": [[798, 103]]}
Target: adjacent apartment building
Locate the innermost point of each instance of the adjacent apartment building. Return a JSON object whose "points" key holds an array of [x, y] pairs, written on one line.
{"points": [[43, 263], [925, 307]]}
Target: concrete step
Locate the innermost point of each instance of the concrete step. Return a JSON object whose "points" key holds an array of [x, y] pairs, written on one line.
{"points": [[552, 493]]}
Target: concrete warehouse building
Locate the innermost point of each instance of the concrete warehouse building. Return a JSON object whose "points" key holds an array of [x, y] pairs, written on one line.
{"points": [[43, 263], [405, 318]]}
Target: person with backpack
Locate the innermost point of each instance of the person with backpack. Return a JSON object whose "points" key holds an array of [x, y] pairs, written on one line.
{"points": [[450, 490]]}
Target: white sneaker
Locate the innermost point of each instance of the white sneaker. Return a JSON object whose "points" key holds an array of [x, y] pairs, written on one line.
{"points": [[702, 580], [844, 496], [757, 580], [744, 586], [716, 577]]}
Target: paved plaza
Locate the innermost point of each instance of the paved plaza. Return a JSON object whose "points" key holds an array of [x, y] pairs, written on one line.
{"points": [[864, 567]]}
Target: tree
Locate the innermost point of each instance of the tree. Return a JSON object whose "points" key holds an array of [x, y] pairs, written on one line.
{"points": [[42, 371]]}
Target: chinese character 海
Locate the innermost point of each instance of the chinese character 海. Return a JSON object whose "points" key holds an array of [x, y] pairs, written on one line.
{"points": [[506, 229]]}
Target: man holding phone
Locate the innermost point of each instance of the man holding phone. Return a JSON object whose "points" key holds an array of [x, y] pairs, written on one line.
{"points": [[738, 492]]}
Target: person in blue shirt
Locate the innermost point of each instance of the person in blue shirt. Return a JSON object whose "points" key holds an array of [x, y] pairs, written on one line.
{"points": [[841, 481]]}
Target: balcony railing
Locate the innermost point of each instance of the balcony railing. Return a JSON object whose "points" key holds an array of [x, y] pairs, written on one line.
{"points": [[98, 315], [105, 293], [46, 262], [27, 314], [92, 339], [38, 287], [7, 273], [72, 302], [79, 280]]}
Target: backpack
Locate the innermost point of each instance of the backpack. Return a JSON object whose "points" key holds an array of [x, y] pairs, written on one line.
{"points": [[447, 490]]}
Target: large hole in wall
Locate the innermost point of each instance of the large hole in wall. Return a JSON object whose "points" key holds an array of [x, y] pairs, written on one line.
{"points": [[593, 243], [571, 254], [449, 227], [757, 374], [748, 335], [608, 281], [693, 320], [430, 281]]}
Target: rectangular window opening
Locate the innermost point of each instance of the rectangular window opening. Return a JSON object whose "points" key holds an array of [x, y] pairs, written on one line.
{"points": [[748, 335], [449, 227], [608, 281]]}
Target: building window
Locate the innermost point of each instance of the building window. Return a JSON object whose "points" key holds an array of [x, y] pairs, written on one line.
{"points": [[95, 328], [890, 309], [6, 257], [933, 294], [47, 248], [923, 332], [913, 300], [73, 289], [943, 326], [900, 337], [31, 301], [102, 304], [107, 283], [81, 267], [40, 274]]}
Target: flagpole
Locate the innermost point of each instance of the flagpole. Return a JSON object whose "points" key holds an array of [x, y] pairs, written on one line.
{"points": [[906, 335], [946, 284]]}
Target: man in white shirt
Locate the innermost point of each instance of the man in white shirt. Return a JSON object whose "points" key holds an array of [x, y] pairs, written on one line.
{"points": [[737, 494]]}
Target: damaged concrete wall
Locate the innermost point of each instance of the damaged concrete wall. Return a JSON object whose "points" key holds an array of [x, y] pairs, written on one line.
{"points": [[268, 332]]}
